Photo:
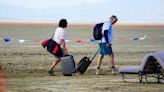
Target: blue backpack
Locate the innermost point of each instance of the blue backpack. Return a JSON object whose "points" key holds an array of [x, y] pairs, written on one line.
{"points": [[97, 34]]}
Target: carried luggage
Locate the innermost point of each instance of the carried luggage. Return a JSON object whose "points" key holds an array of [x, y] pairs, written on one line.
{"points": [[97, 31], [68, 65], [52, 47], [84, 64]]}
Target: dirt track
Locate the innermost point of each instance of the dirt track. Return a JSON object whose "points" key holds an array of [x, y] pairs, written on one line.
{"points": [[26, 65]]}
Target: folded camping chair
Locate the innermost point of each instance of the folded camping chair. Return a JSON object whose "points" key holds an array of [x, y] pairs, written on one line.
{"points": [[151, 64], [159, 56]]}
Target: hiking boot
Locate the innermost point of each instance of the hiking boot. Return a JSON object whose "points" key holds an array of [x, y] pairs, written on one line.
{"points": [[51, 73], [98, 71]]}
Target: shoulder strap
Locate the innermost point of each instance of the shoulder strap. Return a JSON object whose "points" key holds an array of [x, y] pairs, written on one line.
{"points": [[53, 35]]}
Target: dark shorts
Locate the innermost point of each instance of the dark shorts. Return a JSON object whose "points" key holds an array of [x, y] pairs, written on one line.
{"points": [[61, 54], [104, 50]]}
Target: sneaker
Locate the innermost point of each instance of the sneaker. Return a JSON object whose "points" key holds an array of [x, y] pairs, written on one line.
{"points": [[113, 71], [51, 73], [98, 71]]}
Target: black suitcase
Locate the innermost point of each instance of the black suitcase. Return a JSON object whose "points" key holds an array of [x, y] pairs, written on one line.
{"points": [[84, 64]]}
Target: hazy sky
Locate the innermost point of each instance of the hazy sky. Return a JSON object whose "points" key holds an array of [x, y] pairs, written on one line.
{"points": [[128, 11], [48, 3]]}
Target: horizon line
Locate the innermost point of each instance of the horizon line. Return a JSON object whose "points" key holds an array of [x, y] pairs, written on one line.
{"points": [[73, 23]]}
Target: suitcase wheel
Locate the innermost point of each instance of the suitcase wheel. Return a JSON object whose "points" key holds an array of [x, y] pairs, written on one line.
{"points": [[67, 74]]}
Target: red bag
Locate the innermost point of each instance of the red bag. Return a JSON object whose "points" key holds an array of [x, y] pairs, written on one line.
{"points": [[52, 47]]}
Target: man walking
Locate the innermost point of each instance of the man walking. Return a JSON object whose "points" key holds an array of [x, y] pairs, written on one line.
{"points": [[105, 44]]}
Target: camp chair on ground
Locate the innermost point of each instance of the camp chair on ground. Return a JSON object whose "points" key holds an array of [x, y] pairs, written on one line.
{"points": [[152, 63]]}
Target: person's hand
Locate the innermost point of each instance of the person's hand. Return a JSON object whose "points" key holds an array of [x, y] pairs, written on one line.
{"points": [[108, 45], [65, 53]]}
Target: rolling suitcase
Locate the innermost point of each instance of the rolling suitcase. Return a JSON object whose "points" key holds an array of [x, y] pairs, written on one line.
{"points": [[84, 64], [68, 65]]}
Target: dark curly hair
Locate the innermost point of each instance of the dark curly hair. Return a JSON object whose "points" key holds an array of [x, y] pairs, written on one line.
{"points": [[63, 23]]}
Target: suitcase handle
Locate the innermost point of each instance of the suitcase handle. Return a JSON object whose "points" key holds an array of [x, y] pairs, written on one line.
{"points": [[95, 55]]}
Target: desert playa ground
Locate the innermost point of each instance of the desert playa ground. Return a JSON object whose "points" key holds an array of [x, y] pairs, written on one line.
{"points": [[26, 64]]}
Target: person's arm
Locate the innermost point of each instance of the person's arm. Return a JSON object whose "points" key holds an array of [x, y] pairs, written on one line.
{"points": [[110, 35], [62, 39], [64, 46], [106, 37]]}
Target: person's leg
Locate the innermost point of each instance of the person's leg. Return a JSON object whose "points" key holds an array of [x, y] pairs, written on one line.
{"points": [[99, 60], [112, 64], [111, 61], [53, 65]]}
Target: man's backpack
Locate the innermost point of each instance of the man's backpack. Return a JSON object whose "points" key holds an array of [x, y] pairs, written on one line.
{"points": [[97, 34]]}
